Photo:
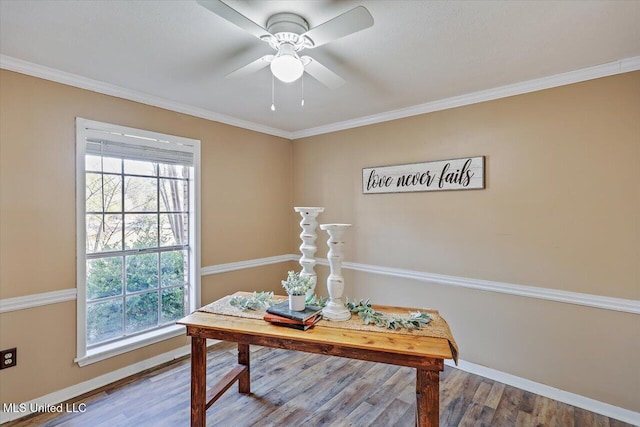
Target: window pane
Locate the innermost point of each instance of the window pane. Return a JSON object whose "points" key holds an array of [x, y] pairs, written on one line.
{"points": [[172, 267], [104, 277], [142, 272], [142, 312], [172, 195], [140, 194], [104, 233], [173, 171], [141, 231], [135, 167], [174, 229], [104, 321], [172, 304], [112, 192], [92, 163]]}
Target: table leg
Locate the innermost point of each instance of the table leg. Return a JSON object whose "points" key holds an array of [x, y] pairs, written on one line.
{"points": [[198, 381], [244, 380], [427, 398]]}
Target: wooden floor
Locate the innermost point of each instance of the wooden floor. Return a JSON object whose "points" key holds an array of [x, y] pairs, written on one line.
{"points": [[299, 389]]}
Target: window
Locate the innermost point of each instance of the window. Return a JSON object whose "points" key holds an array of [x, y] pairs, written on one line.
{"points": [[138, 265]]}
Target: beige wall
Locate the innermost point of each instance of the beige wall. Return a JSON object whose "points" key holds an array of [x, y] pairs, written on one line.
{"points": [[561, 210], [246, 204]]}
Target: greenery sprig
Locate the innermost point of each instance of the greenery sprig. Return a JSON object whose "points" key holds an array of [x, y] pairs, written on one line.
{"points": [[363, 308], [257, 301], [316, 301]]}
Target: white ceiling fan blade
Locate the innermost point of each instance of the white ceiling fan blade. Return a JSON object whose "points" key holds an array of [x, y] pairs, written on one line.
{"points": [[349, 22], [235, 17], [251, 67], [322, 73]]}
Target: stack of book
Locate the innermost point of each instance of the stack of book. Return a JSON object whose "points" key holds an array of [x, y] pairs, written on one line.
{"points": [[279, 314]]}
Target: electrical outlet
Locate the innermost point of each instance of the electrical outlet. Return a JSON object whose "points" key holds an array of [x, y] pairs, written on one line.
{"points": [[8, 358]]}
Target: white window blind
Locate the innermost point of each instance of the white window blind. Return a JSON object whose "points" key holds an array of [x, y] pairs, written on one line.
{"points": [[126, 147]]}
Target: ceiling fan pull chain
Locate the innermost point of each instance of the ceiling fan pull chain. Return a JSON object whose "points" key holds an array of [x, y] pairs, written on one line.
{"points": [[273, 93], [302, 102]]}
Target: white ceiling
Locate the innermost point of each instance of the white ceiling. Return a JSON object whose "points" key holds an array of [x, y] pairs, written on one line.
{"points": [[416, 52]]}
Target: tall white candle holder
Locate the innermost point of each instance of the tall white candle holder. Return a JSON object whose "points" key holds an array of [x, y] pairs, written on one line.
{"points": [[335, 309], [308, 247]]}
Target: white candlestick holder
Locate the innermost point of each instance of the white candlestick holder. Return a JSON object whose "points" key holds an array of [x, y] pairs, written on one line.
{"points": [[335, 309], [308, 247]]}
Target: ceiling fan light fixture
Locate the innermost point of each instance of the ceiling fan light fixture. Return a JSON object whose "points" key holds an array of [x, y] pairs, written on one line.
{"points": [[287, 66]]}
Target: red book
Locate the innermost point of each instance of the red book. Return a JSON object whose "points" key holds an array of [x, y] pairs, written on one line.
{"points": [[274, 318]]}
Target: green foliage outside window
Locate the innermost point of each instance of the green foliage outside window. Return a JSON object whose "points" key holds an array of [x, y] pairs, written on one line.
{"points": [[153, 283]]}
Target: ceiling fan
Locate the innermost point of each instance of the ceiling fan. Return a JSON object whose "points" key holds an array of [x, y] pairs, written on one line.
{"points": [[288, 34]]}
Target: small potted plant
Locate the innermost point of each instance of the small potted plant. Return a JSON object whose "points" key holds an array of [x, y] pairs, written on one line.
{"points": [[296, 286]]}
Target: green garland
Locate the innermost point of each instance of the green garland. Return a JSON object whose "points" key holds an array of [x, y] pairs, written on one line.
{"points": [[416, 319], [257, 301], [318, 302], [261, 300], [363, 308]]}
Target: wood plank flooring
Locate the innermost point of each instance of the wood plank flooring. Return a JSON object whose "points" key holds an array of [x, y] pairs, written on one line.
{"points": [[298, 389]]}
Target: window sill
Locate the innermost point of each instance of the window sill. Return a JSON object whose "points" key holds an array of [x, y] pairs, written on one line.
{"points": [[128, 344]]}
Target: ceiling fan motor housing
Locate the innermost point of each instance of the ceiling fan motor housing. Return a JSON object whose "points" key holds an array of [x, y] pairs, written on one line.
{"points": [[287, 23], [287, 28]]}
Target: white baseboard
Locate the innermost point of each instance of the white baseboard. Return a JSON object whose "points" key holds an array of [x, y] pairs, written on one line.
{"points": [[95, 383], [572, 399], [492, 374], [596, 301]]}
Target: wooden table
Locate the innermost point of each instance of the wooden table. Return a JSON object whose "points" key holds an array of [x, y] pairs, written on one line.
{"points": [[423, 353]]}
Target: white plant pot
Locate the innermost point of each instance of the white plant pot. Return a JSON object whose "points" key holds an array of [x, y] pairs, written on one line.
{"points": [[297, 302]]}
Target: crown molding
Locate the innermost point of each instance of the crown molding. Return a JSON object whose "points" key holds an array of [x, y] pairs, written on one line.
{"points": [[612, 68], [609, 69], [47, 73]]}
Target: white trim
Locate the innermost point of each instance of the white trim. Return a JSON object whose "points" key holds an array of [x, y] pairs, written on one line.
{"points": [[129, 344], [37, 300], [586, 403], [612, 68], [195, 235], [617, 304], [577, 298], [573, 399], [47, 73], [241, 265], [84, 128], [101, 381], [81, 235]]}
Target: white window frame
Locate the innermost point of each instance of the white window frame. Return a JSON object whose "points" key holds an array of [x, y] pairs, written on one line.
{"points": [[84, 129]]}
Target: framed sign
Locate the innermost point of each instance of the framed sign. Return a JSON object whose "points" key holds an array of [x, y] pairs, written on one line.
{"points": [[455, 174]]}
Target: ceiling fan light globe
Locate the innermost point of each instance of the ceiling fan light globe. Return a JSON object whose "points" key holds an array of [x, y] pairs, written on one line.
{"points": [[287, 68]]}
